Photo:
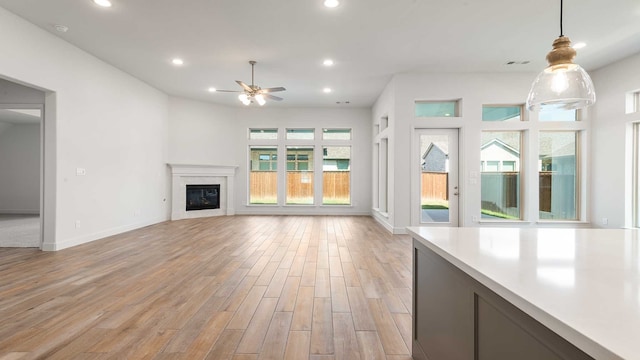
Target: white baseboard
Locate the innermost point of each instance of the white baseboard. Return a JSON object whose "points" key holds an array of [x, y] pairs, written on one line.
{"points": [[383, 221], [399, 231], [98, 235], [300, 211]]}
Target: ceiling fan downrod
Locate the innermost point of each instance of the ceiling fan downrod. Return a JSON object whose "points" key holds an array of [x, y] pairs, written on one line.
{"points": [[252, 62]]}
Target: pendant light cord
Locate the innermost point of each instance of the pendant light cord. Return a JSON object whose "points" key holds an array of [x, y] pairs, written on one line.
{"points": [[561, 32]]}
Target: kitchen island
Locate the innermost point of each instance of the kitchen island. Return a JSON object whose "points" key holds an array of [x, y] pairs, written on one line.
{"points": [[504, 293]]}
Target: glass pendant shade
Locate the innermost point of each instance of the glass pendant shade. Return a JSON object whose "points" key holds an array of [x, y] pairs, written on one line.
{"points": [[563, 85]]}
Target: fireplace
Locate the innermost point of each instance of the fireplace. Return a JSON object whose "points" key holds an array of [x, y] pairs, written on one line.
{"points": [[202, 197], [184, 176]]}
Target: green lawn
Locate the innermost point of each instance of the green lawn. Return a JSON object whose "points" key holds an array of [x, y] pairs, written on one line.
{"points": [[498, 214]]}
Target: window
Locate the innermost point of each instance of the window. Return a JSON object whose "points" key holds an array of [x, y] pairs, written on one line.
{"points": [[300, 134], [383, 175], [336, 175], [297, 154], [492, 166], [632, 102], [384, 123], [263, 176], [298, 159], [501, 113], [558, 115], [558, 173], [508, 166], [500, 153], [299, 175], [263, 134], [437, 108], [336, 134], [636, 175]]}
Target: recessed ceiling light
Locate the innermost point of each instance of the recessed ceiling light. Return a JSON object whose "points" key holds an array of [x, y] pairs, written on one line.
{"points": [[327, 62], [326, 90], [61, 28], [103, 3], [212, 89], [331, 3], [177, 62], [579, 45]]}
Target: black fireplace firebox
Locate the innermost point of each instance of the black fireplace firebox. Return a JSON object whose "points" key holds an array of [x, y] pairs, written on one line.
{"points": [[201, 197]]}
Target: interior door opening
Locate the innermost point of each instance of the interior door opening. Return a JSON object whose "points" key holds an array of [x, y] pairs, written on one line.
{"points": [[21, 161]]}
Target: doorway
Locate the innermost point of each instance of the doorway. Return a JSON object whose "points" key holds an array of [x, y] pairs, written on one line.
{"points": [[435, 170], [20, 180]]}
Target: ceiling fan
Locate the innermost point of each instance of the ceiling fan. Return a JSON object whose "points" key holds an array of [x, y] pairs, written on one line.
{"points": [[255, 92]]}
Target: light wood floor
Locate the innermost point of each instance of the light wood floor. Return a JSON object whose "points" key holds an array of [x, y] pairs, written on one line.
{"points": [[244, 287]]}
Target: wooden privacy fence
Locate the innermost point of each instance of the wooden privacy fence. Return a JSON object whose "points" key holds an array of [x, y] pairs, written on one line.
{"points": [[336, 185], [434, 186], [564, 188], [299, 187], [263, 187]]}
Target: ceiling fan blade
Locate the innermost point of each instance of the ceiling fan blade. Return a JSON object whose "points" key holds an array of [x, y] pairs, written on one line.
{"points": [[273, 89], [217, 90], [272, 97], [244, 86]]}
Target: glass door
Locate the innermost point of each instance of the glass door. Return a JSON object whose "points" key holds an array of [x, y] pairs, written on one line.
{"points": [[436, 168]]}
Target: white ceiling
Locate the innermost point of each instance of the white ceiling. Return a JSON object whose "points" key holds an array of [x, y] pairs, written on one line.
{"points": [[369, 40]]}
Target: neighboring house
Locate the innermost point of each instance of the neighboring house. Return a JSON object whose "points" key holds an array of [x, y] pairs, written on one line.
{"points": [[336, 158], [561, 160], [498, 156], [436, 158]]}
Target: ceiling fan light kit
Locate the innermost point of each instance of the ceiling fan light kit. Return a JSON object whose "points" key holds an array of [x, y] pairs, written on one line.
{"points": [[254, 92], [563, 85]]}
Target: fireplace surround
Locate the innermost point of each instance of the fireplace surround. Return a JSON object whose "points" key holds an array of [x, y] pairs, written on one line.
{"points": [[189, 174]]}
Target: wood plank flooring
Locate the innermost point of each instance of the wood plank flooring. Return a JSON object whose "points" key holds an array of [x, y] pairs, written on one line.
{"points": [[241, 287]]}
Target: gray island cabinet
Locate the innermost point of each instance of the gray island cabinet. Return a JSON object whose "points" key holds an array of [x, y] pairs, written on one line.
{"points": [[493, 294]]}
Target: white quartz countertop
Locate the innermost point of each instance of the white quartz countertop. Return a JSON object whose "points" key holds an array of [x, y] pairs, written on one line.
{"points": [[584, 284]]}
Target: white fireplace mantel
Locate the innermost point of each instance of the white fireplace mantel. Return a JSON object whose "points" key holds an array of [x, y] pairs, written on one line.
{"points": [[201, 174]]}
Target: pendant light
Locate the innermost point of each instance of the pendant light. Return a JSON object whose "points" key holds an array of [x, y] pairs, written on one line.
{"points": [[563, 85]]}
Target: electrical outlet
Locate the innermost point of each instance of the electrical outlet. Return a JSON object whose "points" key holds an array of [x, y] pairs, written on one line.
{"points": [[77, 224], [81, 172], [474, 218], [136, 213], [605, 221]]}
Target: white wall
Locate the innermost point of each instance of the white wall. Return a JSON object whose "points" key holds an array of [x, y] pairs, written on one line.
{"points": [[203, 133], [611, 175], [97, 118], [474, 90], [20, 169]]}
